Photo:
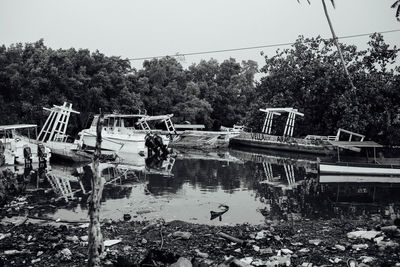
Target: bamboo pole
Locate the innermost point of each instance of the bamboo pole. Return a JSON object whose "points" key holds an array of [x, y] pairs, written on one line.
{"points": [[96, 246]]}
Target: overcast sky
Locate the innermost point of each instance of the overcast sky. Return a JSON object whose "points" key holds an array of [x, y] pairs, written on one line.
{"points": [[135, 29]]}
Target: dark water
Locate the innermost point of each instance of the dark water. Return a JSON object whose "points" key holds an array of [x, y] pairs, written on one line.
{"points": [[255, 185]]}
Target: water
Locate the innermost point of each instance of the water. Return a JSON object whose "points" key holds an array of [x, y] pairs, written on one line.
{"points": [[255, 185]]}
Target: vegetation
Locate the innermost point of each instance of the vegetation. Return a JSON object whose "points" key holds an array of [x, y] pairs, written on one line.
{"points": [[308, 76]]}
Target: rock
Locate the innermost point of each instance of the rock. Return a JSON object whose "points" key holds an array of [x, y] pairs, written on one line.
{"points": [[379, 239], [182, 262], [286, 251], [256, 248], [390, 243], [297, 244], [359, 246], [315, 241], [266, 251], [3, 236], [304, 250], [74, 239], [182, 235], [340, 247], [366, 259], [127, 217], [144, 241], [279, 261], [127, 248], [238, 250], [39, 253], [112, 242], [12, 252], [363, 234], [258, 262], [247, 261], [201, 254], [391, 230], [262, 234], [65, 254], [84, 238], [306, 264], [35, 261]]}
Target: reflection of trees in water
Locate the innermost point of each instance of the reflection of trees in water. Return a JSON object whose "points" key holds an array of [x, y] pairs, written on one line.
{"points": [[11, 184], [311, 199], [205, 174]]}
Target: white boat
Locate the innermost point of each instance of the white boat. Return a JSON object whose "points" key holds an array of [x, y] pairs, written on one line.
{"points": [[125, 133], [17, 147], [360, 169]]}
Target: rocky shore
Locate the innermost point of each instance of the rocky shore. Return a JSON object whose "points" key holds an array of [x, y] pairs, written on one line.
{"points": [[32, 242]]}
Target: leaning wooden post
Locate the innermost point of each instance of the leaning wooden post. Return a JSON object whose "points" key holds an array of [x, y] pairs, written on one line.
{"points": [[96, 246]]}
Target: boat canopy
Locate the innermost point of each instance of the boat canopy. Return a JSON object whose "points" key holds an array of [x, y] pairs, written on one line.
{"points": [[155, 118], [267, 127], [123, 115], [16, 126]]}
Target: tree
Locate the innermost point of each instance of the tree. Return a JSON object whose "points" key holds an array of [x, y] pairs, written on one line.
{"points": [[335, 40], [397, 5], [308, 77]]}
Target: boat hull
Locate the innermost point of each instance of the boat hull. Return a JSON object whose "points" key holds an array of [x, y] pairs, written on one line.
{"points": [[265, 141], [361, 170]]}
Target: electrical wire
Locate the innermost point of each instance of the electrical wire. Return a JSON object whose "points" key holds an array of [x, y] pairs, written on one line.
{"points": [[251, 47]]}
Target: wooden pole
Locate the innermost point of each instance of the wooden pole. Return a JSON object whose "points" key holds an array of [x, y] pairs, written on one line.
{"points": [[96, 246], [338, 47]]}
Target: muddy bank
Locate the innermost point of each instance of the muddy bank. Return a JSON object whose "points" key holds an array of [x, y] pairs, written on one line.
{"points": [[132, 243]]}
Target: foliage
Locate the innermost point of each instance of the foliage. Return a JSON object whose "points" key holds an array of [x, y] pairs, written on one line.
{"points": [[309, 77]]}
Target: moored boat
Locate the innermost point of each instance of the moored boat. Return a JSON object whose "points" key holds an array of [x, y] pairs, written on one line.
{"points": [[125, 133], [286, 142], [21, 149], [358, 168]]}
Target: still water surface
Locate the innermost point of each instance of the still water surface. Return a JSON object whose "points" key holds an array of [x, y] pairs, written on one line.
{"points": [[255, 185]]}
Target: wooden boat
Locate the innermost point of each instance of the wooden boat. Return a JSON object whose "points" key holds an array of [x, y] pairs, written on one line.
{"points": [[203, 140], [286, 142], [20, 149]]}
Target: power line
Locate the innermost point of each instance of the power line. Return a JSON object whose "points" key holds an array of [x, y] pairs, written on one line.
{"points": [[251, 47]]}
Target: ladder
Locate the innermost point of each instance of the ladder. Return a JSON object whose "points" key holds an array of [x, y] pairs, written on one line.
{"points": [[170, 126], [55, 127]]}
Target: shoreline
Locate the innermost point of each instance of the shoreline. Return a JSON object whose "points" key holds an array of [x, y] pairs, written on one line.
{"points": [[316, 242]]}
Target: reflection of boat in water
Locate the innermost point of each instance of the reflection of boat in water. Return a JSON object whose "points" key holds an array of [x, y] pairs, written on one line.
{"points": [[196, 154], [19, 149], [285, 170], [306, 161]]}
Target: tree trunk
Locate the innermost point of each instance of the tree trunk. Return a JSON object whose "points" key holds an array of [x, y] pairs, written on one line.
{"points": [[96, 246], [335, 40]]}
